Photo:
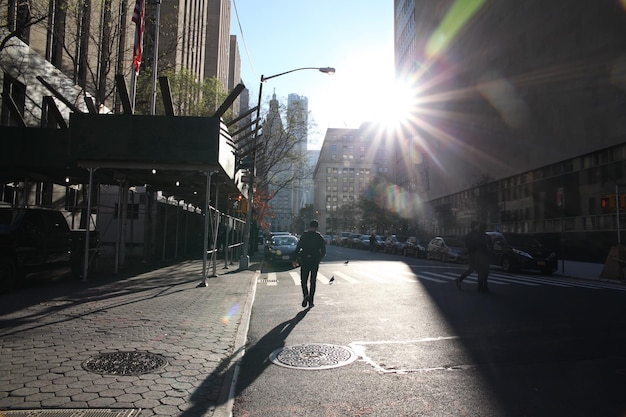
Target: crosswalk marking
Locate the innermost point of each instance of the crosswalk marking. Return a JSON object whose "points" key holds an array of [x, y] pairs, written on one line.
{"points": [[372, 277], [421, 276], [474, 278], [386, 276], [296, 277], [346, 277], [389, 277], [321, 278], [272, 279]]}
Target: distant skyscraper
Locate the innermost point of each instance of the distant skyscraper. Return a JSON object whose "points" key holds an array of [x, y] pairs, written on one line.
{"points": [[298, 119]]}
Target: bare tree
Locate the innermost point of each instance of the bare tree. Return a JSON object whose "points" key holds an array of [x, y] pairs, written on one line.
{"points": [[17, 17], [282, 152]]}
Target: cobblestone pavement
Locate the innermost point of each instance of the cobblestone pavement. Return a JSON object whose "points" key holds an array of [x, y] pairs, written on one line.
{"points": [[154, 340]]}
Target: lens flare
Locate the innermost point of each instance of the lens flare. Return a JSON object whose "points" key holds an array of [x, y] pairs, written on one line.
{"points": [[230, 314]]}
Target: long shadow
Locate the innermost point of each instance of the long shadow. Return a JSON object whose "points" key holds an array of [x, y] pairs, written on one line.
{"points": [[56, 297], [254, 363]]}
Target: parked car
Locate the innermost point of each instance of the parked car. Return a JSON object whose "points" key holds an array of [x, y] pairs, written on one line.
{"points": [[328, 239], [380, 243], [394, 244], [353, 240], [38, 239], [282, 248], [365, 242], [344, 238], [513, 251], [413, 247], [447, 249], [336, 240]]}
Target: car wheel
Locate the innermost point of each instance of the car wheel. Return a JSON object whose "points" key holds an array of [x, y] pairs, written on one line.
{"points": [[506, 265], [8, 274]]}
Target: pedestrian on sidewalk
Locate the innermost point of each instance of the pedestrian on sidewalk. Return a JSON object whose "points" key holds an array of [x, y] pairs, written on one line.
{"points": [[479, 255], [310, 250]]}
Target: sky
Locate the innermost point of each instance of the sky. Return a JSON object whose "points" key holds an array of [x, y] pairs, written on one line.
{"points": [[356, 38]]}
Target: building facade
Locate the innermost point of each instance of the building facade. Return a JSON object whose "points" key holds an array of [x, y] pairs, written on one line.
{"points": [[351, 162], [520, 117], [298, 118], [505, 86]]}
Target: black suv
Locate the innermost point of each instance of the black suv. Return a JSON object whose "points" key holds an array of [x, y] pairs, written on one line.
{"points": [[513, 251]]}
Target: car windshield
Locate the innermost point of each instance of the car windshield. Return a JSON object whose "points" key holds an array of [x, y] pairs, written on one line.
{"points": [[285, 241]]}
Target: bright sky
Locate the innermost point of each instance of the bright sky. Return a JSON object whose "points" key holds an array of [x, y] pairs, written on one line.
{"points": [[356, 38]]}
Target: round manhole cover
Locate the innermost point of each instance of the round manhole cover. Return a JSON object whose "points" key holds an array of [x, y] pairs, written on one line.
{"points": [[124, 363], [313, 356]]}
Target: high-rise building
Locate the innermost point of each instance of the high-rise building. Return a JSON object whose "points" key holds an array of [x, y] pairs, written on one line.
{"points": [[195, 36], [298, 120], [506, 86], [351, 161], [218, 41]]}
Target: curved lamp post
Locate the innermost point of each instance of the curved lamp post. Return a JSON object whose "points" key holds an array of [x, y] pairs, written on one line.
{"points": [[244, 261]]}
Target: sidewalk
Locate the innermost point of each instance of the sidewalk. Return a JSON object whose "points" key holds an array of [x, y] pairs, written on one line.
{"points": [[152, 343], [584, 270], [579, 269]]}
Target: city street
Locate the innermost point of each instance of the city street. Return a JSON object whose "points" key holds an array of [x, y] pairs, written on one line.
{"points": [[393, 336]]}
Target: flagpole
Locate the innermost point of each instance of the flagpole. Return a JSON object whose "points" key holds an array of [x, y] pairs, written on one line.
{"points": [[133, 88], [155, 60], [138, 19]]}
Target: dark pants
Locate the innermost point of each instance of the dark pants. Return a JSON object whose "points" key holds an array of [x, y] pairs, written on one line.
{"points": [[308, 269], [479, 263]]}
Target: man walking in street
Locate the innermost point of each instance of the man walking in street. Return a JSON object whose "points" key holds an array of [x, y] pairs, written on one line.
{"points": [[310, 250], [479, 254]]}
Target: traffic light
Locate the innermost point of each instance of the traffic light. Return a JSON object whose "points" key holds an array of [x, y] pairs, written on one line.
{"points": [[609, 202], [235, 201]]}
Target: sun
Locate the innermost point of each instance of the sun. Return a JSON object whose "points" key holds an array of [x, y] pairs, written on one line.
{"points": [[397, 105]]}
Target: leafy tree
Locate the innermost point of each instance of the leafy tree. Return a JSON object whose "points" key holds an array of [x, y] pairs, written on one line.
{"points": [[189, 96]]}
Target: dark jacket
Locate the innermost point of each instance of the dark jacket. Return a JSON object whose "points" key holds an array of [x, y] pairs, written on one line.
{"points": [[311, 247], [477, 243]]}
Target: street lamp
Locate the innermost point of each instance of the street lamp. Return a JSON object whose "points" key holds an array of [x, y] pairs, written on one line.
{"points": [[244, 261]]}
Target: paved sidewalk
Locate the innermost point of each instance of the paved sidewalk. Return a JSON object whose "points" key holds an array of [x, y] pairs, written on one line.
{"points": [[152, 341]]}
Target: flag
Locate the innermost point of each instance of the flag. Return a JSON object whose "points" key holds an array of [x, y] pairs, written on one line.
{"points": [[138, 18]]}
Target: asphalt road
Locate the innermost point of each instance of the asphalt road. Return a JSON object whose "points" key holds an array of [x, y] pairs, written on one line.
{"points": [[393, 336]]}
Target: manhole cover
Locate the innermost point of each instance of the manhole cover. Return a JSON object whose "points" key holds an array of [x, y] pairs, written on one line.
{"points": [[124, 363], [313, 356]]}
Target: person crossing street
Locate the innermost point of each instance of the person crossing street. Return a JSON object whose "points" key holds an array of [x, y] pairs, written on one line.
{"points": [[479, 253], [310, 251]]}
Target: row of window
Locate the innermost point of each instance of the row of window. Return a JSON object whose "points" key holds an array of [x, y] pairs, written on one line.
{"points": [[359, 171]]}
